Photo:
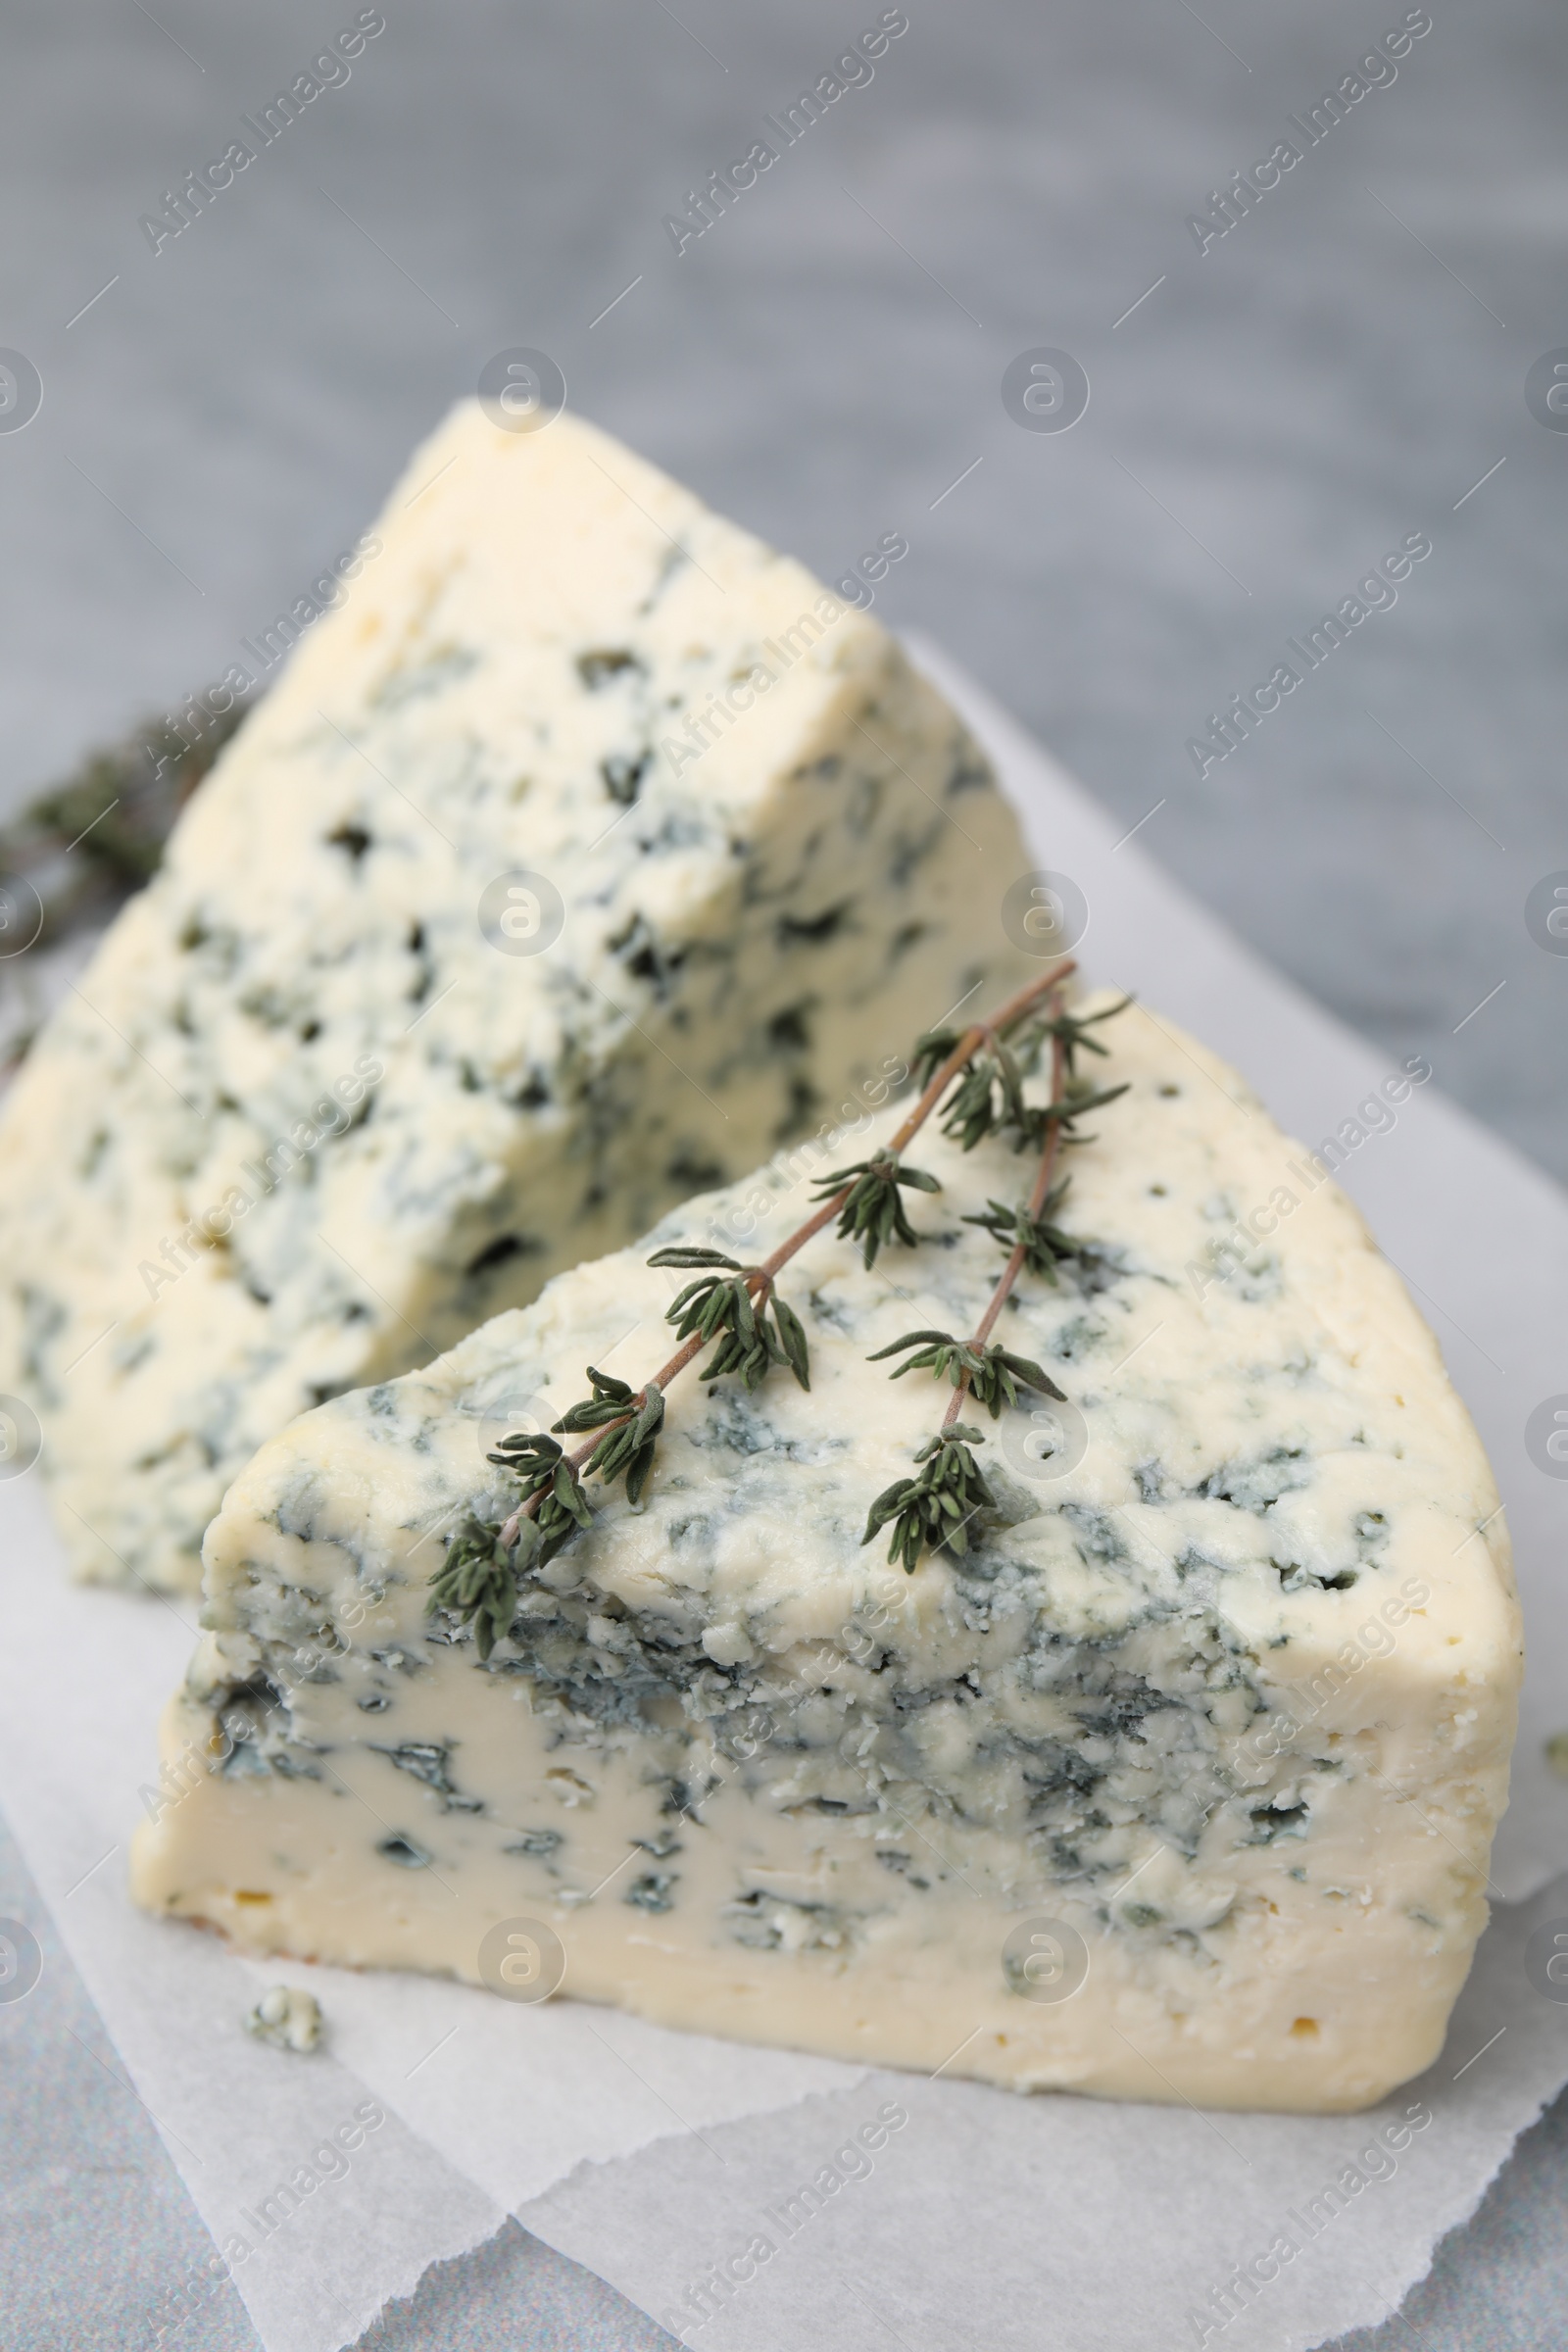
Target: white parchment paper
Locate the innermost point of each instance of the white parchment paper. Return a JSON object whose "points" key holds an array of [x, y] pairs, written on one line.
{"points": [[659, 2158], [1061, 2224]]}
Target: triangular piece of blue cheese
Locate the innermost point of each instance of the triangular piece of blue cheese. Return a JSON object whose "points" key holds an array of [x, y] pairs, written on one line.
{"points": [[1181, 1783], [586, 850]]}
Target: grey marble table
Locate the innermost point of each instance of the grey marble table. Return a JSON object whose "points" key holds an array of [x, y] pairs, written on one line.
{"points": [[1270, 410]]}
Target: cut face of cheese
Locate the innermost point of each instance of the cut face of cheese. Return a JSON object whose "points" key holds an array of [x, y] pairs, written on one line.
{"points": [[586, 851], [1180, 1783]]}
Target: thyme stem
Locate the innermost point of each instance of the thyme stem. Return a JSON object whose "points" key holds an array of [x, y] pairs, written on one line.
{"points": [[760, 1278], [961, 1055], [1036, 1200]]}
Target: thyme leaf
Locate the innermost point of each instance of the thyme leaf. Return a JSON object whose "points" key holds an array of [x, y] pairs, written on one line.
{"points": [[691, 1256], [872, 1212], [611, 1401], [792, 1338]]}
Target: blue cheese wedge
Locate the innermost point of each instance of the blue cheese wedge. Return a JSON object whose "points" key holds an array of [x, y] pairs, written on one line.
{"points": [[588, 850], [1180, 1784]]}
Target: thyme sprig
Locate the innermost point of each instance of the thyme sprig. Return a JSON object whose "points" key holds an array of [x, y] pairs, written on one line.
{"points": [[1063, 1043], [609, 1403], [1045, 1244], [551, 1482], [989, 1098], [738, 1307], [1038, 1119], [1072, 1031], [630, 1422], [992, 1375], [478, 1581], [936, 1047], [86, 844], [750, 1345], [936, 1506], [112, 816], [478, 1578], [919, 1520], [935, 1509], [866, 1196]]}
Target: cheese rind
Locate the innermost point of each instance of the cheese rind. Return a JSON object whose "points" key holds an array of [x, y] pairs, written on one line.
{"points": [[587, 849], [1180, 1784]]}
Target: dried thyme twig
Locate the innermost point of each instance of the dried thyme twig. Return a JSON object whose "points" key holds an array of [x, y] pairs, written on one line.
{"points": [[112, 816], [739, 1308], [936, 1506], [82, 846]]}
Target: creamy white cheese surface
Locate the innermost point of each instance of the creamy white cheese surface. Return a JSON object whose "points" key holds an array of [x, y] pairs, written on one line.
{"points": [[1181, 1784], [587, 850]]}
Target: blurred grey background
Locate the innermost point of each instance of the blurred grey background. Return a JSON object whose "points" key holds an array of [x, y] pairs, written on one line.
{"points": [[1344, 367], [1332, 374]]}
